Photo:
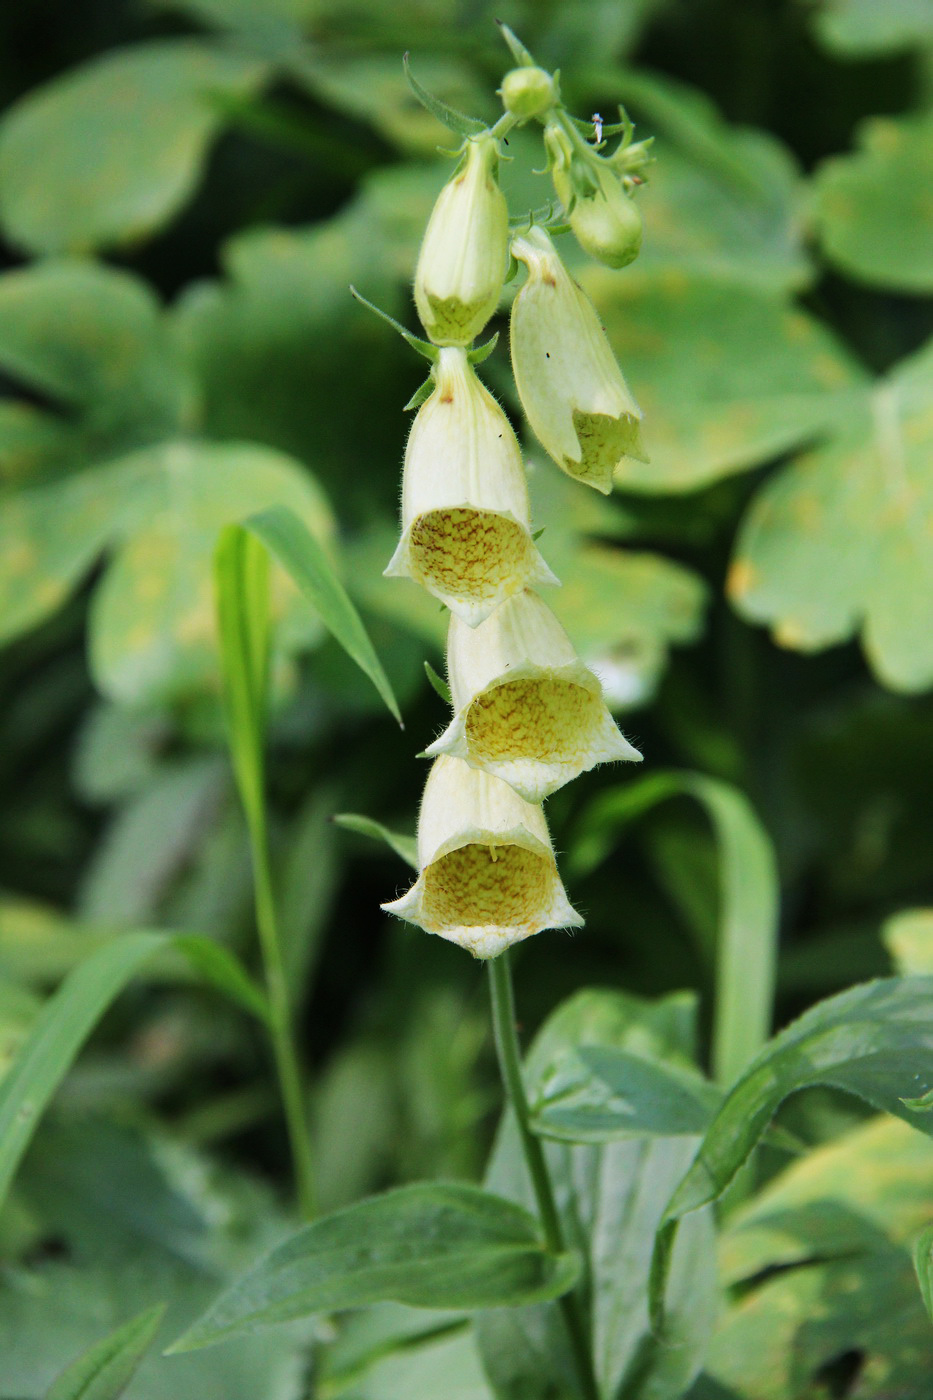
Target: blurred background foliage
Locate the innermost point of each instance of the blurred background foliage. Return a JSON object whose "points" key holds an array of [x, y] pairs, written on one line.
{"points": [[186, 191]]}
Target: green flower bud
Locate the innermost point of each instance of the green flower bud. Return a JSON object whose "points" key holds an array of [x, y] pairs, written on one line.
{"points": [[463, 259], [527, 92], [571, 388], [604, 218]]}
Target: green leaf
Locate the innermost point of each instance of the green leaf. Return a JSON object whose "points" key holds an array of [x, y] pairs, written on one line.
{"points": [[140, 1218], [853, 28], [302, 557], [602, 1094], [923, 1264], [839, 541], [437, 683], [822, 1264], [110, 151], [747, 943], [93, 340], [722, 201], [727, 375], [217, 965], [106, 1369], [434, 1245], [402, 845], [612, 1196], [870, 208], [56, 1037], [241, 583], [874, 1041]]}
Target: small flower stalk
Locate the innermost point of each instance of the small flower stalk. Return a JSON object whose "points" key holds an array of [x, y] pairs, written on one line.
{"points": [[466, 517], [487, 873], [528, 715], [463, 259], [570, 386], [526, 709]]}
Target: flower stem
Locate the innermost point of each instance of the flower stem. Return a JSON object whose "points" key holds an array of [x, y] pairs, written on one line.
{"points": [[280, 1018], [509, 1054]]}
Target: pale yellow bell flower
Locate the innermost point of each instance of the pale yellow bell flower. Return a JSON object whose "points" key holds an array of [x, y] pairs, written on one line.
{"points": [[526, 709], [570, 386], [465, 510], [464, 255], [488, 877]]}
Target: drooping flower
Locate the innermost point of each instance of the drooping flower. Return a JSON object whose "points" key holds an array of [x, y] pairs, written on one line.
{"points": [[571, 388], [464, 255], [526, 709], [603, 216], [487, 873], [465, 510]]}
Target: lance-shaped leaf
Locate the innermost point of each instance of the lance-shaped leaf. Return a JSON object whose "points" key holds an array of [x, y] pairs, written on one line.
{"points": [[839, 542], [105, 1370], [433, 1246], [307, 563], [874, 1041], [111, 150]]}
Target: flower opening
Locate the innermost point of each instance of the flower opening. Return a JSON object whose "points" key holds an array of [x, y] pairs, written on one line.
{"points": [[465, 510], [526, 709], [487, 873]]}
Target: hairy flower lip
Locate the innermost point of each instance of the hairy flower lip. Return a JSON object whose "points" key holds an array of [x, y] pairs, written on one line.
{"points": [[465, 510], [526, 708], [462, 262], [571, 389], [487, 874]]}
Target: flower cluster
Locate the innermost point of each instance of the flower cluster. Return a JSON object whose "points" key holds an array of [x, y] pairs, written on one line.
{"points": [[528, 715]]}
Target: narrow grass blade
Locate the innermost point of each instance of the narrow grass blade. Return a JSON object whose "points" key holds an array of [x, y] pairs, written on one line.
{"points": [[105, 1370]]}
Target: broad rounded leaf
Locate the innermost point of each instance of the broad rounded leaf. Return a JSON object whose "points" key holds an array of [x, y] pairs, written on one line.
{"points": [[873, 210], [840, 541], [108, 152], [727, 375], [152, 616], [436, 1246], [853, 28]]}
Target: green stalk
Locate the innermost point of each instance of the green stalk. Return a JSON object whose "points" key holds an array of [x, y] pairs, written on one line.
{"points": [[510, 1065], [280, 1018]]}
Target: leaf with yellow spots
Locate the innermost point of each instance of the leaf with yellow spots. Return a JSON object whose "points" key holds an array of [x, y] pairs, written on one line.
{"points": [[110, 151], [90, 343], [842, 540], [152, 623], [828, 1289], [152, 616], [727, 375], [874, 208]]}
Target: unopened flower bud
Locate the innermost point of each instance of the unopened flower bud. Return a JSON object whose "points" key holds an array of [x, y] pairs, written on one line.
{"points": [[604, 217], [571, 388], [488, 877], [527, 92], [463, 259], [526, 709], [465, 510]]}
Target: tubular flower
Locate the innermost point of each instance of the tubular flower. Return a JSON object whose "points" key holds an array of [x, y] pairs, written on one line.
{"points": [[526, 709], [488, 877], [570, 386], [463, 258], [465, 511]]}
